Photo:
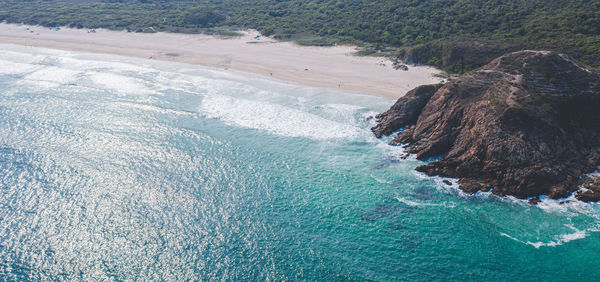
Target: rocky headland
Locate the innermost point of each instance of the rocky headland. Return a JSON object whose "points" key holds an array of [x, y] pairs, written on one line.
{"points": [[527, 124]]}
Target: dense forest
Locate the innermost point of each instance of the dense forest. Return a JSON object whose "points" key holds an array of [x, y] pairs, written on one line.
{"points": [[456, 35]]}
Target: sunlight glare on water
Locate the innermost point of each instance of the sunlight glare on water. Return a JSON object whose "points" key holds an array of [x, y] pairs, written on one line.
{"points": [[121, 168]]}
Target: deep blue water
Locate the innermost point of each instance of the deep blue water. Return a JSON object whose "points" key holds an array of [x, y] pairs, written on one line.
{"points": [[118, 168]]}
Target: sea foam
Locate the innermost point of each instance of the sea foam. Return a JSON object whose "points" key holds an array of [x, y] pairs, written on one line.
{"points": [[120, 83], [558, 239], [8, 67], [51, 77], [275, 119], [423, 204]]}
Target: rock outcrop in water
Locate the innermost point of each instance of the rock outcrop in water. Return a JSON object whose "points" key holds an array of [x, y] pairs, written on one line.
{"points": [[526, 124]]}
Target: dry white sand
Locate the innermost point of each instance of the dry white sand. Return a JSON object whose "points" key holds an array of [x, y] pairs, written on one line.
{"points": [[333, 67]]}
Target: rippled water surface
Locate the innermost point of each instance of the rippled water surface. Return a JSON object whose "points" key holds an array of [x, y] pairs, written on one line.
{"points": [[119, 168]]}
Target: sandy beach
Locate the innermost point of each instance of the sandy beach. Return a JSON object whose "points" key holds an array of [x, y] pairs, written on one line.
{"points": [[333, 67]]}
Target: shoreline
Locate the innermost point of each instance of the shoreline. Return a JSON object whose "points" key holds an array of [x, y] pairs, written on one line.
{"points": [[330, 67]]}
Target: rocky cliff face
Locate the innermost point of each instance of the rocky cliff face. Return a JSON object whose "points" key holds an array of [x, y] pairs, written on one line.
{"points": [[527, 124]]}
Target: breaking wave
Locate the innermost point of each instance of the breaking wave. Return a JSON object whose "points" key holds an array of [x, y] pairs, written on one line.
{"points": [[276, 119]]}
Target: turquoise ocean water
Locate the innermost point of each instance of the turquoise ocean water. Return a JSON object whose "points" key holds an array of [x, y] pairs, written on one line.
{"points": [[119, 168]]}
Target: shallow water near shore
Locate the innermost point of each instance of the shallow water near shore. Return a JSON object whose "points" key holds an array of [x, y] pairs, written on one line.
{"points": [[121, 168]]}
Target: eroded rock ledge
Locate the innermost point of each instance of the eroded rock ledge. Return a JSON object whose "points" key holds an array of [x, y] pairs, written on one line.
{"points": [[526, 124]]}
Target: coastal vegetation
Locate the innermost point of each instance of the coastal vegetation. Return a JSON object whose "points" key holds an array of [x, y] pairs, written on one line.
{"points": [[455, 35]]}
